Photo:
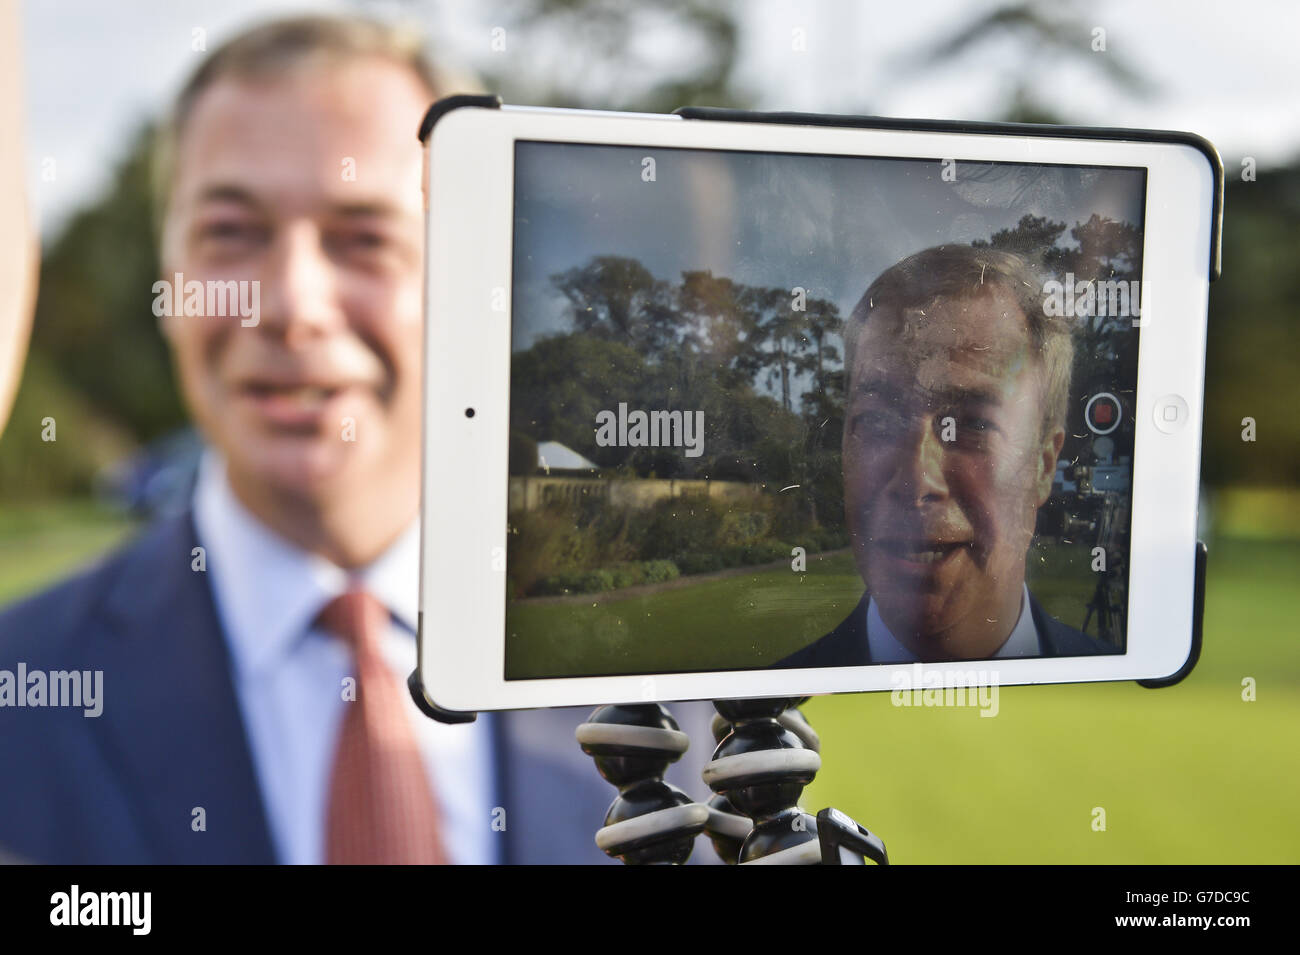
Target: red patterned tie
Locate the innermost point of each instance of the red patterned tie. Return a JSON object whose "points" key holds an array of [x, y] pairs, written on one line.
{"points": [[381, 810]]}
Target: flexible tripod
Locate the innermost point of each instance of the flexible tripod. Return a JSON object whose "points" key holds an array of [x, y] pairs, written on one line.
{"points": [[766, 754]]}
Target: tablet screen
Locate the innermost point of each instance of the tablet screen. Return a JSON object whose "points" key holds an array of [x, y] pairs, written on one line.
{"points": [[789, 410]]}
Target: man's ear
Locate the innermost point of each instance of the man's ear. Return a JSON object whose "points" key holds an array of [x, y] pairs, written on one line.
{"points": [[1049, 453]]}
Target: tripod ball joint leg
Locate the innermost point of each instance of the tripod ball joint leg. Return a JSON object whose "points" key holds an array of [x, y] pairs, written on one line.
{"points": [[767, 753], [650, 822]]}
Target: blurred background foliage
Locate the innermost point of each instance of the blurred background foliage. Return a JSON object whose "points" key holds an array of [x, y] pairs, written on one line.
{"points": [[1190, 774], [100, 368]]}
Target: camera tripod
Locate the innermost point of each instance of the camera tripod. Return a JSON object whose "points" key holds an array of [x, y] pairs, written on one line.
{"points": [[766, 754]]}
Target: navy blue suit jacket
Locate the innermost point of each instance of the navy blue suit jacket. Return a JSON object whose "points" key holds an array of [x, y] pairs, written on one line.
{"points": [[847, 646], [121, 787]]}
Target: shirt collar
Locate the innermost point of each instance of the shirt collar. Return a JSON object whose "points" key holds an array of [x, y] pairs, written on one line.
{"points": [[884, 647], [267, 590], [1024, 641], [395, 577]]}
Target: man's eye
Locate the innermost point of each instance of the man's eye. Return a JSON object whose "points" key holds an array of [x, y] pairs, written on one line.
{"points": [[877, 423], [965, 429], [220, 230], [360, 241], [228, 232]]}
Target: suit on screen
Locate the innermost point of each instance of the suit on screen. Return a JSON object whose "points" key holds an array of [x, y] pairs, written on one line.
{"points": [[847, 644]]}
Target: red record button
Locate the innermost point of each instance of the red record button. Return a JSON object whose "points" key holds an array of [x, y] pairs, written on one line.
{"points": [[1102, 413]]}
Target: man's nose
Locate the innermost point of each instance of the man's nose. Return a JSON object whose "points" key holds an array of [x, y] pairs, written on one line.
{"points": [[919, 467], [299, 294]]}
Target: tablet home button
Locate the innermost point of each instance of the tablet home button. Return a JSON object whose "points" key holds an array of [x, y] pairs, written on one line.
{"points": [[1170, 413]]}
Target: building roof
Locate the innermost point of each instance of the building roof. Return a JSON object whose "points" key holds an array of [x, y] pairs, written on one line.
{"points": [[553, 456]]}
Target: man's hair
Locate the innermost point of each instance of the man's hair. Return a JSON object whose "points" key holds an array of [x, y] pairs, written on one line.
{"points": [[279, 47], [964, 272]]}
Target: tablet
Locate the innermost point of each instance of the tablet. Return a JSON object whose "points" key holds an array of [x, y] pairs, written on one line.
{"points": [[725, 405]]}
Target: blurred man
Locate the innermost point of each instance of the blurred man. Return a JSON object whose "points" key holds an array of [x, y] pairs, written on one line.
{"points": [[254, 651], [955, 416], [18, 248]]}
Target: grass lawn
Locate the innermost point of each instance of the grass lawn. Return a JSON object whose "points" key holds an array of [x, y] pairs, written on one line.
{"points": [[1187, 774], [716, 622], [758, 615], [41, 543], [1190, 774]]}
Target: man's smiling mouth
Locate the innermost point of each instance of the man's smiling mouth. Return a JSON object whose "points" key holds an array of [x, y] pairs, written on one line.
{"points": [[921, 552], [301, 406], [305, 396]]}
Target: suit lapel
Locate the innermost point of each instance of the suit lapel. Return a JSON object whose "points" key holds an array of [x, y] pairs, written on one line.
{"points": [[1046, 645], [1060, 639], [856, 629], [847, 644], [554, 798], [171, 716]]}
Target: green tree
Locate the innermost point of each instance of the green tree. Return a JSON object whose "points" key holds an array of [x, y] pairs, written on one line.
{"points": [[1033, 238], [777, 338], [557, 49], [616, 297], [97, 356], [716, 322], [1045, 34], [562, 382], [1253, 350], [822, 326]]}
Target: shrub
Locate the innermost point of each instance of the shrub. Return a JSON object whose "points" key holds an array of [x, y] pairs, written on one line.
{"points": [[659, 571], [554, 585], [765, 552], [627, 575], [742, 527], [575, 582], [548, 543], [675, 526], [611, 578], [699, 563], [732, 556], [817, 539], [612, 529], [833, 538], [790, 516], [595, 581]]}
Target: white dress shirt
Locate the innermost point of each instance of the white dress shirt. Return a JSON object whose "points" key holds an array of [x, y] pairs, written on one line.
{"points": [[884, 647], [289, 676]]}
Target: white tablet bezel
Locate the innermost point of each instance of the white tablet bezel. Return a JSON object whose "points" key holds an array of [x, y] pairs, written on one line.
{"points": [[470, 190]]}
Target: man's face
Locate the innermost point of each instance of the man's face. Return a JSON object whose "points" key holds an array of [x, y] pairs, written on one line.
{"points": [[308, 184], [945, 467]]}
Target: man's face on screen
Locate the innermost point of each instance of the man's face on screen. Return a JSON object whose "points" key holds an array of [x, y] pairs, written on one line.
{"points": [[945, 467], [308, 185]]}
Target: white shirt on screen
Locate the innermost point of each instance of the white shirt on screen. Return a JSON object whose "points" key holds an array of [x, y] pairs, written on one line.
{"points": [[884, 647], [289, 676]]}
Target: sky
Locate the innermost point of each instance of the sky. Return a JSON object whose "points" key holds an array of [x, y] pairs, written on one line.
{"points": [[96, 70], [828, 224]]}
